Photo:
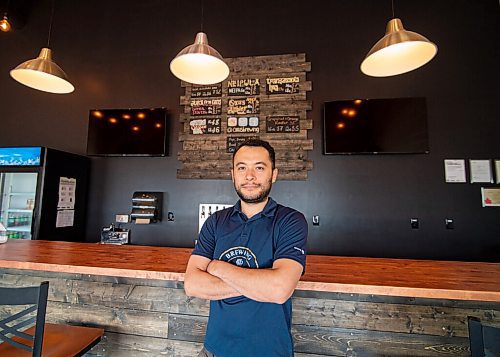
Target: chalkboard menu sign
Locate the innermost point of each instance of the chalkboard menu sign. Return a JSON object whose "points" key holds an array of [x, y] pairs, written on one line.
{"points": [[264, 97], [242, 125], [283, 124], [207, 91], [242, 87], [205, 126], [250, 105], [282, 85], [234, 141], [206, 106]]}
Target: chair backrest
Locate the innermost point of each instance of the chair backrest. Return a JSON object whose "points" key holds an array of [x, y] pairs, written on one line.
{"points": [[12, 327], [475, 337], [484, 340]]}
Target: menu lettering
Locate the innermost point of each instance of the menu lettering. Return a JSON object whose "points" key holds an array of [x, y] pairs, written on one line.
{"points": [[240, 87], [205, 126], [234, 141], [206, 106], [250, 105], [283, 85], [206, 91], [283, 124]]}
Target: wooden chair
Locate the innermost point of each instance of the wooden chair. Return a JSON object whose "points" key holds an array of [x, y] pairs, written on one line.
{"points": [[41, 339], [484, 340]]}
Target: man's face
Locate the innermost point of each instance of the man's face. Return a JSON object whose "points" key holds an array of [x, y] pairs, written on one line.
{"points": [[253, 174]]}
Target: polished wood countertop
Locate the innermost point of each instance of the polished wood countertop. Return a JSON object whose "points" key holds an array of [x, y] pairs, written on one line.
{"points": [[378, 276]]}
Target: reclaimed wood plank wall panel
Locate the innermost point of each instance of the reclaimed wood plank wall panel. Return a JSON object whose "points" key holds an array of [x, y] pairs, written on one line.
{"points": [[187, 328], [258, 68], [415, 319], [113, 295], [121, 345], [350, 342]]}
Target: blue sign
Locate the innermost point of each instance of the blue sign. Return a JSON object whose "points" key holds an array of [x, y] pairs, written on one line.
{"points": [[20, 156]]}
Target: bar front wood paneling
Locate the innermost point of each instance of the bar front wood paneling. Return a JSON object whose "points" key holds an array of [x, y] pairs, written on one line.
{"points": [[393, 277], [136, 294]]}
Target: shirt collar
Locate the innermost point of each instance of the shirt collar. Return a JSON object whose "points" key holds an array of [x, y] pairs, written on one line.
{"points": [[268, 211]]}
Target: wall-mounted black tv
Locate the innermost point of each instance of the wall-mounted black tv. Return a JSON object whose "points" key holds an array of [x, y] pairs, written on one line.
{"points": [[128, 132], [375, 126]]}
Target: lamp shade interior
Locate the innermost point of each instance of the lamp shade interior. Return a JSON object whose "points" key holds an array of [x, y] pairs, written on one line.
{"points": [[199, 68], [399, 51], [42, 81], [43, 74], [199, 63], [398, 58]]}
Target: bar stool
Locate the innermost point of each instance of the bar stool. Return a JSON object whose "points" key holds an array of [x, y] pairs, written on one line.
{"points": [[41, 339]]}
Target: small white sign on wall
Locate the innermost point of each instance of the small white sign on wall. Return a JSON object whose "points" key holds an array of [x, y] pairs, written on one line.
{"points": [[65, 218], [207, 209], [67, 193], [454, 171], [480, 171]]}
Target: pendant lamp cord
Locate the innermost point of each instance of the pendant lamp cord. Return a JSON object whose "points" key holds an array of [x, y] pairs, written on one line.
{"points": [[393, 9], [202, 2], [7, 9], [50, 25]]}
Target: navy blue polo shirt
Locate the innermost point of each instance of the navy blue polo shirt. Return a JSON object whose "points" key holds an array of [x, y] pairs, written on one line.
{"points": [[241, 326]]}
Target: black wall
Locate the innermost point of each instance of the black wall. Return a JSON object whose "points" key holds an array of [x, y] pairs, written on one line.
{"points": [[117, 54]]}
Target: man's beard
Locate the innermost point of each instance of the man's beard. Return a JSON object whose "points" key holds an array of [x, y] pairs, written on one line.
{"points": [[261, 197]]}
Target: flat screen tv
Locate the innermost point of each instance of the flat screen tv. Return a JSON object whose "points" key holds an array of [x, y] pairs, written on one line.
{"points": [[128, 132], [375, 126]]}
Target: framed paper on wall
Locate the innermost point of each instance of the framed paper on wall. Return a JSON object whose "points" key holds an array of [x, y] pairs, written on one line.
{"points": [[454, 171], [490, 196], [480, 171], [497, 171]]}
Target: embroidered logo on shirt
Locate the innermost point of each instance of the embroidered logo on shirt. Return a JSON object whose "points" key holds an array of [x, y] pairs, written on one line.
{"points": [[300, 250], [240, 256]]}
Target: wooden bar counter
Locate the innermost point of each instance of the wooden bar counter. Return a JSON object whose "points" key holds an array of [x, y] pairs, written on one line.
{"points": [[343, 305]]}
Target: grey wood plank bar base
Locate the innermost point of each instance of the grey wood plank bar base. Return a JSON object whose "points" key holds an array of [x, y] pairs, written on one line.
{"points": [[152, 317]]}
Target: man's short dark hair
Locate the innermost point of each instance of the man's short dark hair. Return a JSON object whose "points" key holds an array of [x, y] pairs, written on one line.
{"points": [[258, 143]]}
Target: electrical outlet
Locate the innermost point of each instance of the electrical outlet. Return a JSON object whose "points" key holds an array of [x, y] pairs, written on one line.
{"points": [[207, 209], [448, 222], [414, 223], [315, 220]]}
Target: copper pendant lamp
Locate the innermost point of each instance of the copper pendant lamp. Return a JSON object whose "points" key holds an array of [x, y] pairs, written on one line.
{"points": [[42, 73], [200, 63], [5, 24], [398, 52]]}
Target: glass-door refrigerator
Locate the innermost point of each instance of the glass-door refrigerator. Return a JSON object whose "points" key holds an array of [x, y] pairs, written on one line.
{"points": [[43, 193]]}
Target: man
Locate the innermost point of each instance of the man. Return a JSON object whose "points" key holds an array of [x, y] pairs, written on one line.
{"points": [[247, 261]]}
